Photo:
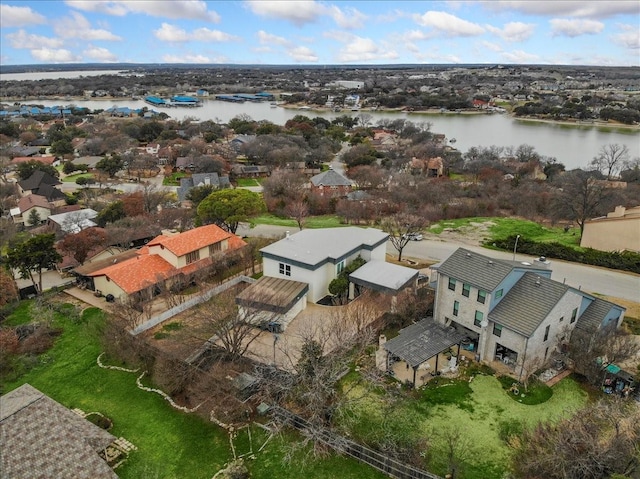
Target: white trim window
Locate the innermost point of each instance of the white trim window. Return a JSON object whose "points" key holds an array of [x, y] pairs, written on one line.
{"points": [[285, 269]]}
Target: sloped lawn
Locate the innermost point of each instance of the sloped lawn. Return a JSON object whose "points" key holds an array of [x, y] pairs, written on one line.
{"points": [[171, 444], [479, 414]]}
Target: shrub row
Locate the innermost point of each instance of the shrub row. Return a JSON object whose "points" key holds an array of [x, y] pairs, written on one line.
{"points": [[626, 261]]}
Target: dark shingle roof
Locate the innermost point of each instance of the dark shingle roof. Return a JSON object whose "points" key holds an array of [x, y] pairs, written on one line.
{"points": [[594, 315], [528, 303], [330, 178], [37, 179], [423, 340], [473, 268], [51, 193], [42, 438]]}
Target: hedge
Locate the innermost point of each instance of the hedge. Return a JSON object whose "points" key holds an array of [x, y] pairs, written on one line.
{"points": [[626, 261]]}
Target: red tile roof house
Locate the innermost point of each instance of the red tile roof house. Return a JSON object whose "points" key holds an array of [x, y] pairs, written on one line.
{"points": [[165, 260]]}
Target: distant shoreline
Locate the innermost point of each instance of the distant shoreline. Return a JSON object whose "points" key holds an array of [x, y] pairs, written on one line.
{"points": [[430, 112]]}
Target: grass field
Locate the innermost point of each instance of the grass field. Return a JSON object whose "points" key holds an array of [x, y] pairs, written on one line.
{"points": [[328, 221], [244, 182], [500, 228], [171, 444], [478, 412], [73, 178], [173, 179]]}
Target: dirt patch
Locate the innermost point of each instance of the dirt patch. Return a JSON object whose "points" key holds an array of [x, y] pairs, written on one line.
{"points": [[472, 234]]}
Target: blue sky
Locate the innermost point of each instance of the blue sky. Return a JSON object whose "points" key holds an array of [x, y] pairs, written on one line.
{"points": [[317, 32]]}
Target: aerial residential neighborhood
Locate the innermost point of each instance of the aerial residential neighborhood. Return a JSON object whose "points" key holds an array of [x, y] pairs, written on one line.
{"points": [[348, 295]]}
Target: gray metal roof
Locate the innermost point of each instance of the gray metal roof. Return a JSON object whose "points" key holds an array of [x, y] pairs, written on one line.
{"points": [[480, 271], [594, 315], [383, 276], [312, 247], [277, 295], [330, 178], [528, 303], [422, 341], [41, 438]]}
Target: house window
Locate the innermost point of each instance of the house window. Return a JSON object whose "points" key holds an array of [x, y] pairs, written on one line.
{"points": [[482, 296], [497, 330], [499, 294], [340, 267], [478, 319], [215, 248], [546, 332], [285, 269], [456, 306], [193, 256], [466, 288], [574, 315], [452, 284]]}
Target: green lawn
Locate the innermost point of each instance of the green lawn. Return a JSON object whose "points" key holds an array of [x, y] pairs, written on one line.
{"points": [[173, 179], [244, 182], [500, 228], [480, 412], [73, 178], [327, 221], [171, 444]]}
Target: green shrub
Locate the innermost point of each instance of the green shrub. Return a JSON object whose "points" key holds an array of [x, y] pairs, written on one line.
{"points": [[626, 261]]}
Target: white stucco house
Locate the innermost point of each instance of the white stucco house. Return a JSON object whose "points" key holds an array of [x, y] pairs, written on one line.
{"points": [[513, 312], [300, 267]]}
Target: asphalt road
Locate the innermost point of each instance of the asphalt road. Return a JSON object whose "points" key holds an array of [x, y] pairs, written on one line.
{"points": [[588, 278]]}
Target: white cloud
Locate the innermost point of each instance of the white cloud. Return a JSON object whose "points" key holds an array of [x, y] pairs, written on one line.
{"points": [[22, 39], [359, 49], [494, 47], [513, 31], [449, 24], [12, 16], [569, 8], [77, 26], [629, 38], [416, 36], [206, 35], [298, 12], [175, 9], [269, 39], [349, 18], [99, 54], [190, 58], [303, 54], [173, 34], [519, 56], [575, 27], [52, 55]]}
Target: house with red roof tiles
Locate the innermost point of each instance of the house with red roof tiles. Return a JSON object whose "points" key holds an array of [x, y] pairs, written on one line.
{"points": [[166, 260], [22, 213]]}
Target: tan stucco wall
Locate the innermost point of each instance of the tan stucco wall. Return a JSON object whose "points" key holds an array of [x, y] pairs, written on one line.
{"points": [[612, 234]]}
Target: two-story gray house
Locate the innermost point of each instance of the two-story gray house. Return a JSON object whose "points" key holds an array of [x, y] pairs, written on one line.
{"points": [[513, 312]]}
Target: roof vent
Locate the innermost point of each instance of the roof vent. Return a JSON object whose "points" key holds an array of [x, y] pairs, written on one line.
{"points": [[538, 281], [468, 255], [490, 262]]}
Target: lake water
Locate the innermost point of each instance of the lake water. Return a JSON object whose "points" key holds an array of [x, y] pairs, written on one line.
{"points": [[574, 146], [55, 75]]}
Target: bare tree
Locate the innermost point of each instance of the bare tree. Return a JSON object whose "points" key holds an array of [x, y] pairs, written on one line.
{"points": [[580, 198], [400, 227], [298, 210], [598, 442], [591, 352], [610, 160]]}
